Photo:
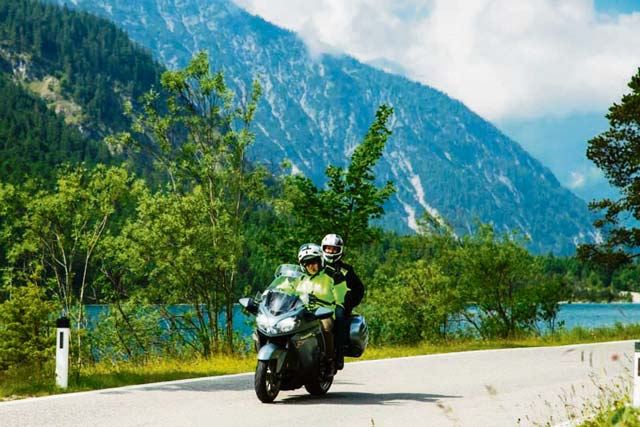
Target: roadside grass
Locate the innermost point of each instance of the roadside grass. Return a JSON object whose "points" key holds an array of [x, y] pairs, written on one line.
{"points": [[611, 408], [578, 335], [621, 415], [14, 385], [21, 384], [106, 375]]}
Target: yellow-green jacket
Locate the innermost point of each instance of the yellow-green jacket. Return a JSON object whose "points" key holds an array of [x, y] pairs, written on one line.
{"points": [[321, 285]]}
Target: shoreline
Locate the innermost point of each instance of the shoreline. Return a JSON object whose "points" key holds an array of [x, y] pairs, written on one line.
{"points": [[635, 299]]}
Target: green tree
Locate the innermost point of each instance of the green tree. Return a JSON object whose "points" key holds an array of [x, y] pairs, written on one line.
{"points": [[12, 207], [27, 338], [61, 229], [170, 232], [351, 198], [413, 294], [419, 303], [617, 152], [504, 285], [131, 331], [200, 137]]}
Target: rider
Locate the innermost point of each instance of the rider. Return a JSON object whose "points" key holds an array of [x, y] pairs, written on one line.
{"points": [[333, 250], [320, 284]]}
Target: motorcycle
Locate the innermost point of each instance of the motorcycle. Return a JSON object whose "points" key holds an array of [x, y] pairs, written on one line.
{"points": [[289, 340]]}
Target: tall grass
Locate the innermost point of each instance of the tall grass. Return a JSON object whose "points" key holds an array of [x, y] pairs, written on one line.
{"points": [[611, 407]]}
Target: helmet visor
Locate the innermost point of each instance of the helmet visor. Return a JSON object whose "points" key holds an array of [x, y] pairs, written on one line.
{"points": [[331, 250]]}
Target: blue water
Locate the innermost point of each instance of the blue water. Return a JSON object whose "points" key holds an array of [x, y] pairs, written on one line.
{"points": [[241, 322], [588, 315]]}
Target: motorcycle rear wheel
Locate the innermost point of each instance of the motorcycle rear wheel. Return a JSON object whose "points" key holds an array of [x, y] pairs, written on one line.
{"points": [[266, 382], [319, 386]]}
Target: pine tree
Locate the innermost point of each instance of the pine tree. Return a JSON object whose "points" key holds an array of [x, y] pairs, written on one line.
{"points": [[617, 152]]}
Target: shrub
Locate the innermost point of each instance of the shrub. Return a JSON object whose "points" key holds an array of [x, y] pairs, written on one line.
{"points": [[27, 335]]}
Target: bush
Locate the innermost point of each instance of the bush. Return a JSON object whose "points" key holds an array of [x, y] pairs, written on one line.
{"points": [[417, 304], [131, 331], [27, 334]]}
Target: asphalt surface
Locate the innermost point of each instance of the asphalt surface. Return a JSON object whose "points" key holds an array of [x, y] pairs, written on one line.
{"points": [[514, 387]]}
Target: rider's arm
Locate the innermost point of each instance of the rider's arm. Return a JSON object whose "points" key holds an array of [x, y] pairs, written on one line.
{"points": [[355, 286]]}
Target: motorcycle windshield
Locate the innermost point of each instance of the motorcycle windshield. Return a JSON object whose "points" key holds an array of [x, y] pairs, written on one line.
{"points": [[291, 271], [279, 302], [286, 279]]}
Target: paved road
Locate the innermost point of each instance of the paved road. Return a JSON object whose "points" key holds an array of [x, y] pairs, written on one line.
{"points": [[483, 388]]}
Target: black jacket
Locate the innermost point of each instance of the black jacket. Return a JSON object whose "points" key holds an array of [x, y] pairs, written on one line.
{"points": [[340, 272]]}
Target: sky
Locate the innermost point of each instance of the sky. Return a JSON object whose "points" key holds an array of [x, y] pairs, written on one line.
{"points": [[547, 66]]}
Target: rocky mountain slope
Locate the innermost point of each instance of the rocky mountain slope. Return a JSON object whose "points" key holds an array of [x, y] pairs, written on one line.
{"points": [[64, 77], [444, 158]]}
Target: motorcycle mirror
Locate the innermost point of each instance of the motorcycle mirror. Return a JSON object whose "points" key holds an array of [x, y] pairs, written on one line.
{"points": [[249, 304], [323, 313]]}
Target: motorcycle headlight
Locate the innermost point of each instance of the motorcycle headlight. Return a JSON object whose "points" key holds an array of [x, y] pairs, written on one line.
{"points": [[282, 327], [287, 325], [263, 323]]}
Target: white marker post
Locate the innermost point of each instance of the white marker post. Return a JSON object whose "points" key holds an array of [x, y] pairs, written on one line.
{"points": [[636, 376], [62, 352]]}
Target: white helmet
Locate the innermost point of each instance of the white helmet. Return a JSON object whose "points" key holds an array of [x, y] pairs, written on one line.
{"points": [[309, 252], [332, 240]]}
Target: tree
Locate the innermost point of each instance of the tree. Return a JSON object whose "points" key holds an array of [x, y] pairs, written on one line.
{"points": [[351, 198], [170, 232], [414, 293], [503, 284], [27, 338], [617, 152], [418, 303], [61, 229], [197, 134]]}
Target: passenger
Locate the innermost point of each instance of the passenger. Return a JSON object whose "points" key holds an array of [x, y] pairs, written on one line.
{"points": [[319, 288], [341, 272]]}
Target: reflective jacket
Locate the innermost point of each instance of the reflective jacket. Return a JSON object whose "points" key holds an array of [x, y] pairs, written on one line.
{"points": [[343, 273], [322, 286]]}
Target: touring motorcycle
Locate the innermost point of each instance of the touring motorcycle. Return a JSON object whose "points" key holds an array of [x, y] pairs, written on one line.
{"points": [[289, 341]]}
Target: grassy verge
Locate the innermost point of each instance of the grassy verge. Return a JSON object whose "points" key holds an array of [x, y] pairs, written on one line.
{"points": [[620, 415], [16, 385], [611, 408], [105, 375], [575, 336]]}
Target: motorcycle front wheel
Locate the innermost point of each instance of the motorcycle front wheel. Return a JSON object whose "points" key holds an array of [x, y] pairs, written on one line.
{"points": [[267, 384], [319, 386]]}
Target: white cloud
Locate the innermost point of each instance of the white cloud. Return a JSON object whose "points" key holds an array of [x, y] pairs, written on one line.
{"points": [[503, 58], [577, 180], [582, 177]]}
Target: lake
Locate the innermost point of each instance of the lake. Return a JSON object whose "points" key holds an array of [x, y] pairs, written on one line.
{"points": [[593, 315], [588, 315]]}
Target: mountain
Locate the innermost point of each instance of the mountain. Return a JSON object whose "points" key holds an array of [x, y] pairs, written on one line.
{"points": [[34, 139], [561, 144], [444, 158], [64, 76]]}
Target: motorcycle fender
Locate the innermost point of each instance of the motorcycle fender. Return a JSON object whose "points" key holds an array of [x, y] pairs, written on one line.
{"points": [[272, 351]]}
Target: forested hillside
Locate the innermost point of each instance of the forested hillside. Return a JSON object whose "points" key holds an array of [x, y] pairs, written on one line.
{"points": [[80, 66], [34, 139]]}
